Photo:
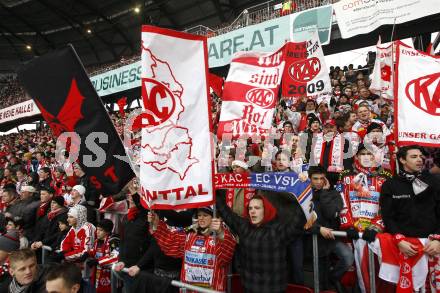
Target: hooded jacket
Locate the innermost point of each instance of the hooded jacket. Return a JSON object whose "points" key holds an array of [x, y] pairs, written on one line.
{"points": [[80, 239], [263, 248]]}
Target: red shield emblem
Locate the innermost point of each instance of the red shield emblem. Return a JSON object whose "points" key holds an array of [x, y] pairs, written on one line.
{"points": [[305, 70], [158, 100], [424, 93]]}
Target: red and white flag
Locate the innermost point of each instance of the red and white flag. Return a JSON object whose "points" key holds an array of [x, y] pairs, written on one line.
{"points": [[408, 273], [176, 159], [250, 93], [430, 50], [306, 73], [417, 100], [381, 78]]}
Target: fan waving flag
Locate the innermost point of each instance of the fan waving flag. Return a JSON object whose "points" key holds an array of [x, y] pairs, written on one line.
{"points": [[417, 100], [177, 164], [250, 93], [69, 103], [306, 73]]}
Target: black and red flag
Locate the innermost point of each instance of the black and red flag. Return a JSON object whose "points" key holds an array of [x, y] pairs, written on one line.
{"points": [[63, 92]]}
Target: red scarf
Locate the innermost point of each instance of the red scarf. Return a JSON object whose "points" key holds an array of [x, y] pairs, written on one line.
{"points": [[42, 209], [248, 194], [53, 214], [132, 213], [366, 170], [57, 182]]}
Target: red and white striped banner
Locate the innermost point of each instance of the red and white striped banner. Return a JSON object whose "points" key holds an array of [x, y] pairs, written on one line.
{"points": [[250, 93]]}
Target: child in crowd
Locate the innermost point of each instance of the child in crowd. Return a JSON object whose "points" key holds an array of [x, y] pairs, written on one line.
{"points": [[104, 253]]}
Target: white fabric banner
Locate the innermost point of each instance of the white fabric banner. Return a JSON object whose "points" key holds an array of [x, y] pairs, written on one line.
{"points": [[417, 100], [357, 17], [381, 78], [18, 111], [176, 160]]}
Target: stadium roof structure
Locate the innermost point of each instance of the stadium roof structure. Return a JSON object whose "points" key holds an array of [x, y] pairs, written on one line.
{"points": [[101, 30]]}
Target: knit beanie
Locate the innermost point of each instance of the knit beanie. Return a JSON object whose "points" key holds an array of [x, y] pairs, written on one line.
{"points": [[312, 118], [373, 126], [106, 225], [206, 209], [81, 189], [240, 163], [63, 218], [59, 200]]}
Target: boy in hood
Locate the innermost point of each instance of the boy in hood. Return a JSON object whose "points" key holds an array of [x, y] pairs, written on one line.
{"points": [[81, 236]]}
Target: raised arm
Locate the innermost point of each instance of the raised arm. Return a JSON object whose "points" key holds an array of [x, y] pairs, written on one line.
{"points": [[234, 221]]}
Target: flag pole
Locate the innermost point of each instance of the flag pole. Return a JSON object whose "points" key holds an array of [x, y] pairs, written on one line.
{"points": [[394, 85]]}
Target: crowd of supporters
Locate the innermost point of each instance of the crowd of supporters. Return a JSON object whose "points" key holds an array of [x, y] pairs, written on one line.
{"points": [[48, 202], [11, 92]]}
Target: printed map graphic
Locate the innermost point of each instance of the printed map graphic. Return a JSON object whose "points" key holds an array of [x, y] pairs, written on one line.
{"points": [[166, 144]]}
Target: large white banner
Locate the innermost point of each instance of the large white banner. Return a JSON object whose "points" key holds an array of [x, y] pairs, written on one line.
{"points": [[417, 98], [357, 17], [176, 160], [18, 111]]}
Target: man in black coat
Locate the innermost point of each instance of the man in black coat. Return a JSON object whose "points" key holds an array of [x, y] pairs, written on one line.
{"points": [[327, 205], [135, 238], [40, 216], [45, 179], [48, 230], [410, 203]]}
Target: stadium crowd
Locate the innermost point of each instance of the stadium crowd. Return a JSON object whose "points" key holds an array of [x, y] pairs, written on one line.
{"points": [[48, 202]]}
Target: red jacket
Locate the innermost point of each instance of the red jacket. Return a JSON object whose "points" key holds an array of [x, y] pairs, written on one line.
{"points": [[77, 242], [205, 258]]}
